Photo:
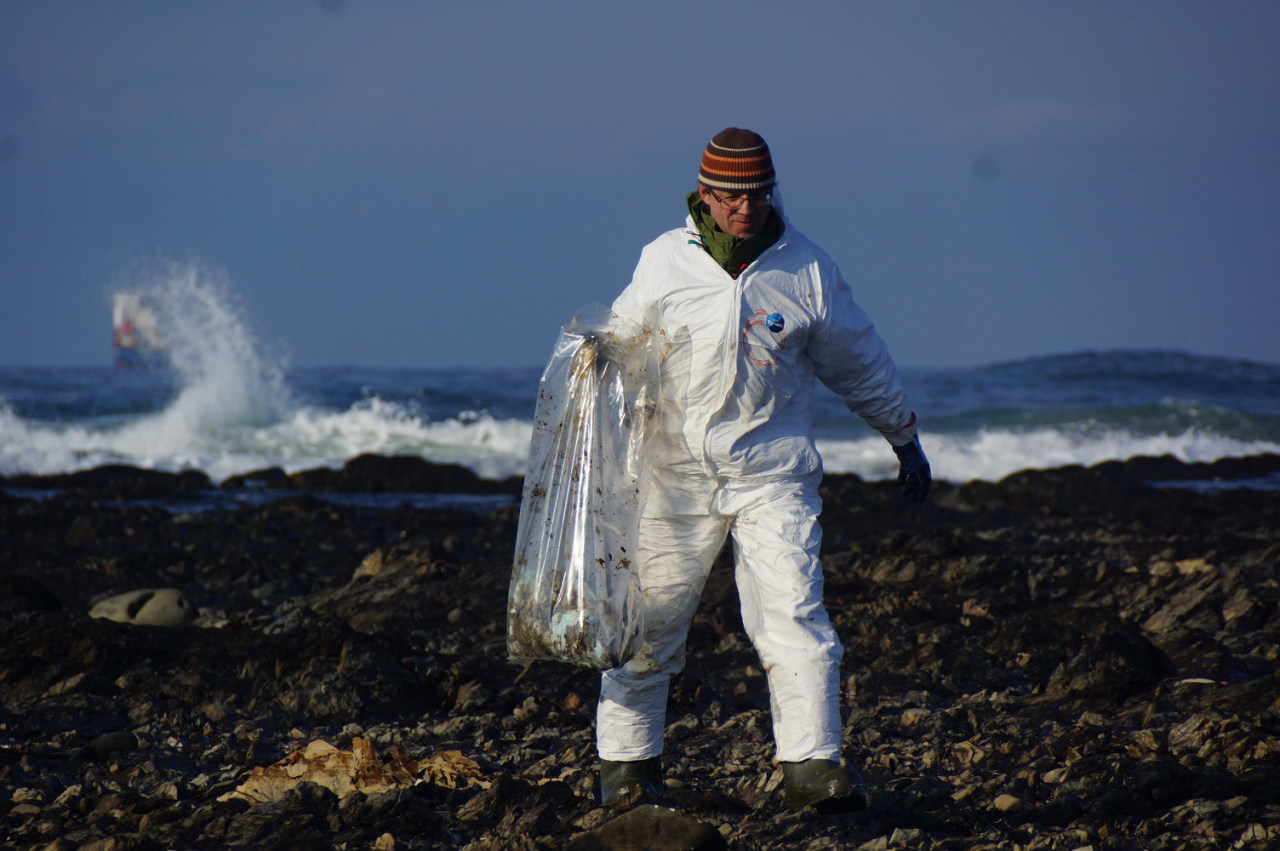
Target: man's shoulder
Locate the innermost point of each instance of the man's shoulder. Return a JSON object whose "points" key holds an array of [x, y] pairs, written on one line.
{"points": [[673, 240], [794, 240], [798, 240]]}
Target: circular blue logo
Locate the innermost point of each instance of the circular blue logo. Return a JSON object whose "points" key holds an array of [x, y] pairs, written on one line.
{"points": [[774, 322]]}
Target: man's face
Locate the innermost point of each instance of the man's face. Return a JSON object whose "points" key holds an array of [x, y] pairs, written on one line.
{"points": [[739, 214]]}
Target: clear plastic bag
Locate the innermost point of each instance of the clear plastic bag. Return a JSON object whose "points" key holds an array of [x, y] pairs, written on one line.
{"points": [[575, 591]]}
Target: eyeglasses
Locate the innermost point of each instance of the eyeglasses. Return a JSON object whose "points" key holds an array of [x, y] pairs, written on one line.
{"points": [[733, 202]]}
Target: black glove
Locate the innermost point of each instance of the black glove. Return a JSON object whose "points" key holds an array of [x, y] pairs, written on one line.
{"points": [[913, 474]]}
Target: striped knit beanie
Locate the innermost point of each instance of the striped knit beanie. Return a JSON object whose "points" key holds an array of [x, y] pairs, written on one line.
{"points": [[737, 159]]}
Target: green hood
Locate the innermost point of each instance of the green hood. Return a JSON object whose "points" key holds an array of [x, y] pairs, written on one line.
{"points": [[732, 253]]}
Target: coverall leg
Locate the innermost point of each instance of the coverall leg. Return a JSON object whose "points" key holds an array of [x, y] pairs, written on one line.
{"points": [[776, 539], [633, 697], [780, 585]]}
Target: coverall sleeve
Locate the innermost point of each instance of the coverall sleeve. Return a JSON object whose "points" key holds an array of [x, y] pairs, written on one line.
{"points": [[635, 303], [850, 357]]}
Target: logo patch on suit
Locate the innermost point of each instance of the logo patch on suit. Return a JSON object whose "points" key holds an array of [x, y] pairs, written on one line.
{"points": [[761, 349]]}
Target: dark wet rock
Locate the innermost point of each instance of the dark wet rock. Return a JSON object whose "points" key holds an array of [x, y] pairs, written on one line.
{"points": [[399, 474], [1110, 661], [21, 595], [1067, 658], [511, 807], [1166, 468], [305, 818], [272, 478], [321, 671], [106, 746], [115, 481], [651, 828]]}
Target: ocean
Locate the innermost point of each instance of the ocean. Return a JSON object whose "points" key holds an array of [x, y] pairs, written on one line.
{"points": [[227, 406]]}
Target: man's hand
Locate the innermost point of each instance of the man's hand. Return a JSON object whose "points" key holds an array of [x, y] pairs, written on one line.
{"points": [[913, 472]]}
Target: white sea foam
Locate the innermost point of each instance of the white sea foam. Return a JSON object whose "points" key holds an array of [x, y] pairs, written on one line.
{"points": [[233, 412], [306, 438], [30, 448], [496, 448], [992, 454], [310, 437]]}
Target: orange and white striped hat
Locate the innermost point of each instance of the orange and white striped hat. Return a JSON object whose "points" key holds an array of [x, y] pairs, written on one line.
{"points": [[737, 159]]}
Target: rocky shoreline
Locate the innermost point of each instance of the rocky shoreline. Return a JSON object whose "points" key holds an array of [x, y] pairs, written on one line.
{"points": [[1065, 659]]}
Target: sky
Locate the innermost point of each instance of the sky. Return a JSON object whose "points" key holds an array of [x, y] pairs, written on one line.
{"points": [[403, 183]]}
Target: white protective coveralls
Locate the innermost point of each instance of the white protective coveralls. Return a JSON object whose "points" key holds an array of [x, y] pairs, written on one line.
{"points": [[735, 454]]}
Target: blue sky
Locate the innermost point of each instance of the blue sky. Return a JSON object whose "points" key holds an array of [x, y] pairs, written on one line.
{"points": [[422, 184]]}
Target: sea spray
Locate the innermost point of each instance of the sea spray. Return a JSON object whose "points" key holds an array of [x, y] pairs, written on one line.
{"points": [[226, 377], [225, 382]]}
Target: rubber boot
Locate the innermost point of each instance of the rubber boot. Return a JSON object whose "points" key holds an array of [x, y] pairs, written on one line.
{"points": [[630, 783], [823, 784]]}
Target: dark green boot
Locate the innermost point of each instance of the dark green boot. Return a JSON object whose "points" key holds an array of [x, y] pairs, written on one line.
{"points": [[630, 783], [823, 784]]}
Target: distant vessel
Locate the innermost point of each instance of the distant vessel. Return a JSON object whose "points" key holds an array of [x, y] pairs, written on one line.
{"points": [[136, 335]]}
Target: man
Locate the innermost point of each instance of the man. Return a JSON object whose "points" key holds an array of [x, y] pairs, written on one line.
{"points": [[750, 311]]}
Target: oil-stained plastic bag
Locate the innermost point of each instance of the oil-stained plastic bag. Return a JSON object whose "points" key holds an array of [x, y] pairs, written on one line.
{"points": [[575, 590]]}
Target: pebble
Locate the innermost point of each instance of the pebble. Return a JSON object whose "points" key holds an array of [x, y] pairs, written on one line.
{"points": [[107, 745], [911, 716], [1056, 775], [1006, 802], [147, 607]]}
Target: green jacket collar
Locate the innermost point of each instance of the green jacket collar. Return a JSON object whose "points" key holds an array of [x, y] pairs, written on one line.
{"points": [[732, 253]]}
